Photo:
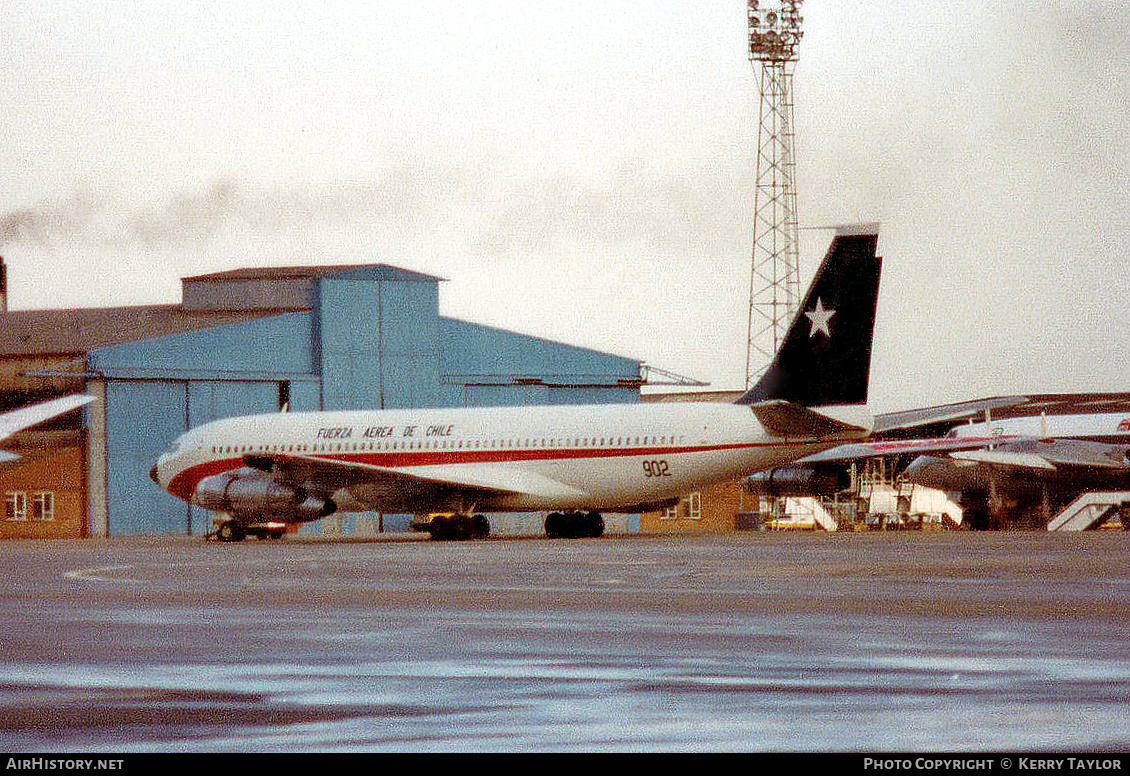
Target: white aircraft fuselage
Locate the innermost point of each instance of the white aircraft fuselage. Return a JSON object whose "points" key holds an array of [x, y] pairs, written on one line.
{"points": [[599, 457]]}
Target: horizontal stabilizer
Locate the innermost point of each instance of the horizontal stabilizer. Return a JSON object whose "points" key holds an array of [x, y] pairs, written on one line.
{"points": [[786, 420]]}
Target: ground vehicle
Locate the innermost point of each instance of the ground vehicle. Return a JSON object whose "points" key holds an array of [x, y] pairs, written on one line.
{"points": [[227, 530], [451, 525]]}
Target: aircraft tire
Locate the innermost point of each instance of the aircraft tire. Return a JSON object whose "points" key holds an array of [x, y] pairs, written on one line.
{"points": [[554, 525], [229, 531], [594, 522], [574, 525], [480, 527]]}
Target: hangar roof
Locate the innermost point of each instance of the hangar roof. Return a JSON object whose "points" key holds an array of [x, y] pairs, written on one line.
{"points": [[347, 271], [291, 288], [35, 332], [209, 300]]}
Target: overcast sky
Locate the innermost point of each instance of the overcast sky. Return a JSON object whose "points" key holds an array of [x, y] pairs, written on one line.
{"points": [[583, 171]]}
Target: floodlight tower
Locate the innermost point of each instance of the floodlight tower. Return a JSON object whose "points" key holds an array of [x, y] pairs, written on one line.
{"points": [[774, 36]]}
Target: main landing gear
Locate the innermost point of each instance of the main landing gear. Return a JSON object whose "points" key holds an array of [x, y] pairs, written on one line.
{"points": [[574, 525]]}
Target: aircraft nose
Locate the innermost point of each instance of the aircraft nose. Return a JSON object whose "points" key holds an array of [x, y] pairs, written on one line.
{"points": [[153, 474]]}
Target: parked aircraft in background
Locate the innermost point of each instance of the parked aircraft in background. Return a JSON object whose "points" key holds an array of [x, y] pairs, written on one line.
{"points": [[1017, 471], [1113, 427], [264, 471], [1025, 482], [15, 421]]}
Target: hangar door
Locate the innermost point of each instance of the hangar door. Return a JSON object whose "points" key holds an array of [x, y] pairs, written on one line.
{"points": [[142, 418]]}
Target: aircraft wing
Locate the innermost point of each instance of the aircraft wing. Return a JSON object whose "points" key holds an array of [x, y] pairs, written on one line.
{"points": [[15, 421], [859, 450], [891, 421], [25, 417], [1056, 456], [420, 482], [1004, 458]]}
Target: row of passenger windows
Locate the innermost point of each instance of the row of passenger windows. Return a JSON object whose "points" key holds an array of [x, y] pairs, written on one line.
{"points": [[434, 444]]}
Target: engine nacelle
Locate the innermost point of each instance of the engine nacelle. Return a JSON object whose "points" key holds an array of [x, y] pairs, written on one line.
{"points": [[248, 494], [797, 481]]}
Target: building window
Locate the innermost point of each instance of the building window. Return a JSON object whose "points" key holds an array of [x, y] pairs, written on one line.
{"points": [[43, 506], [693, 504], [15, 506], [688, 508]]}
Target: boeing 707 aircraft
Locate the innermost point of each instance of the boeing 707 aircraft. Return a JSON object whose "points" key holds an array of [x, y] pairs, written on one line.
{"points": [[573, 461]]}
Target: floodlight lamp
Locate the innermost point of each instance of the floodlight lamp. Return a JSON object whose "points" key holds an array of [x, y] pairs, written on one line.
{"points": [[774, 34]]}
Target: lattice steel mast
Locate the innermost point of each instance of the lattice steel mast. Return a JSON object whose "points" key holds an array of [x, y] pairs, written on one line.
{"points": [[774, 36]]}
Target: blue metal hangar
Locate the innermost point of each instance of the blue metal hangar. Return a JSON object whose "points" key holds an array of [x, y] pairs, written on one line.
{"points": [[261, 340]]}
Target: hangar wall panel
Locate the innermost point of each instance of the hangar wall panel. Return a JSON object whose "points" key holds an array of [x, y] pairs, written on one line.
{"points": [[593, 395], [379, 344], [142, 418], [279, 344], [484, 365], [215, 399], [305, 396], [503, 395], [521, 395], [210, 293]]}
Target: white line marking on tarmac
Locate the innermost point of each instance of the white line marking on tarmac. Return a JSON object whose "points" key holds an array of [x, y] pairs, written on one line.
{"points": [[97, 574]]}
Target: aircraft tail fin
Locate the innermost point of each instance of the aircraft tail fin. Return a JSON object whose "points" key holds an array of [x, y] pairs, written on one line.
{"points": [[825, 358]]}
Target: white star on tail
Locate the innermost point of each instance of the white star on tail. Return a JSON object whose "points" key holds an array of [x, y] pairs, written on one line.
{"points": [[820, 319]]}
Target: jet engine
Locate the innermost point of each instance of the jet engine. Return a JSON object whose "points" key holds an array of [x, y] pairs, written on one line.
{"points": [[248, 494], [788, 481]]}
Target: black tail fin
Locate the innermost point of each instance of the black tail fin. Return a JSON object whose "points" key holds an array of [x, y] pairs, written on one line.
{"points": [[826, 355]]}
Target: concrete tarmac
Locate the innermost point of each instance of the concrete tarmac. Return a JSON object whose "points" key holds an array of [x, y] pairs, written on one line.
{"points": [[936, 642]]}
